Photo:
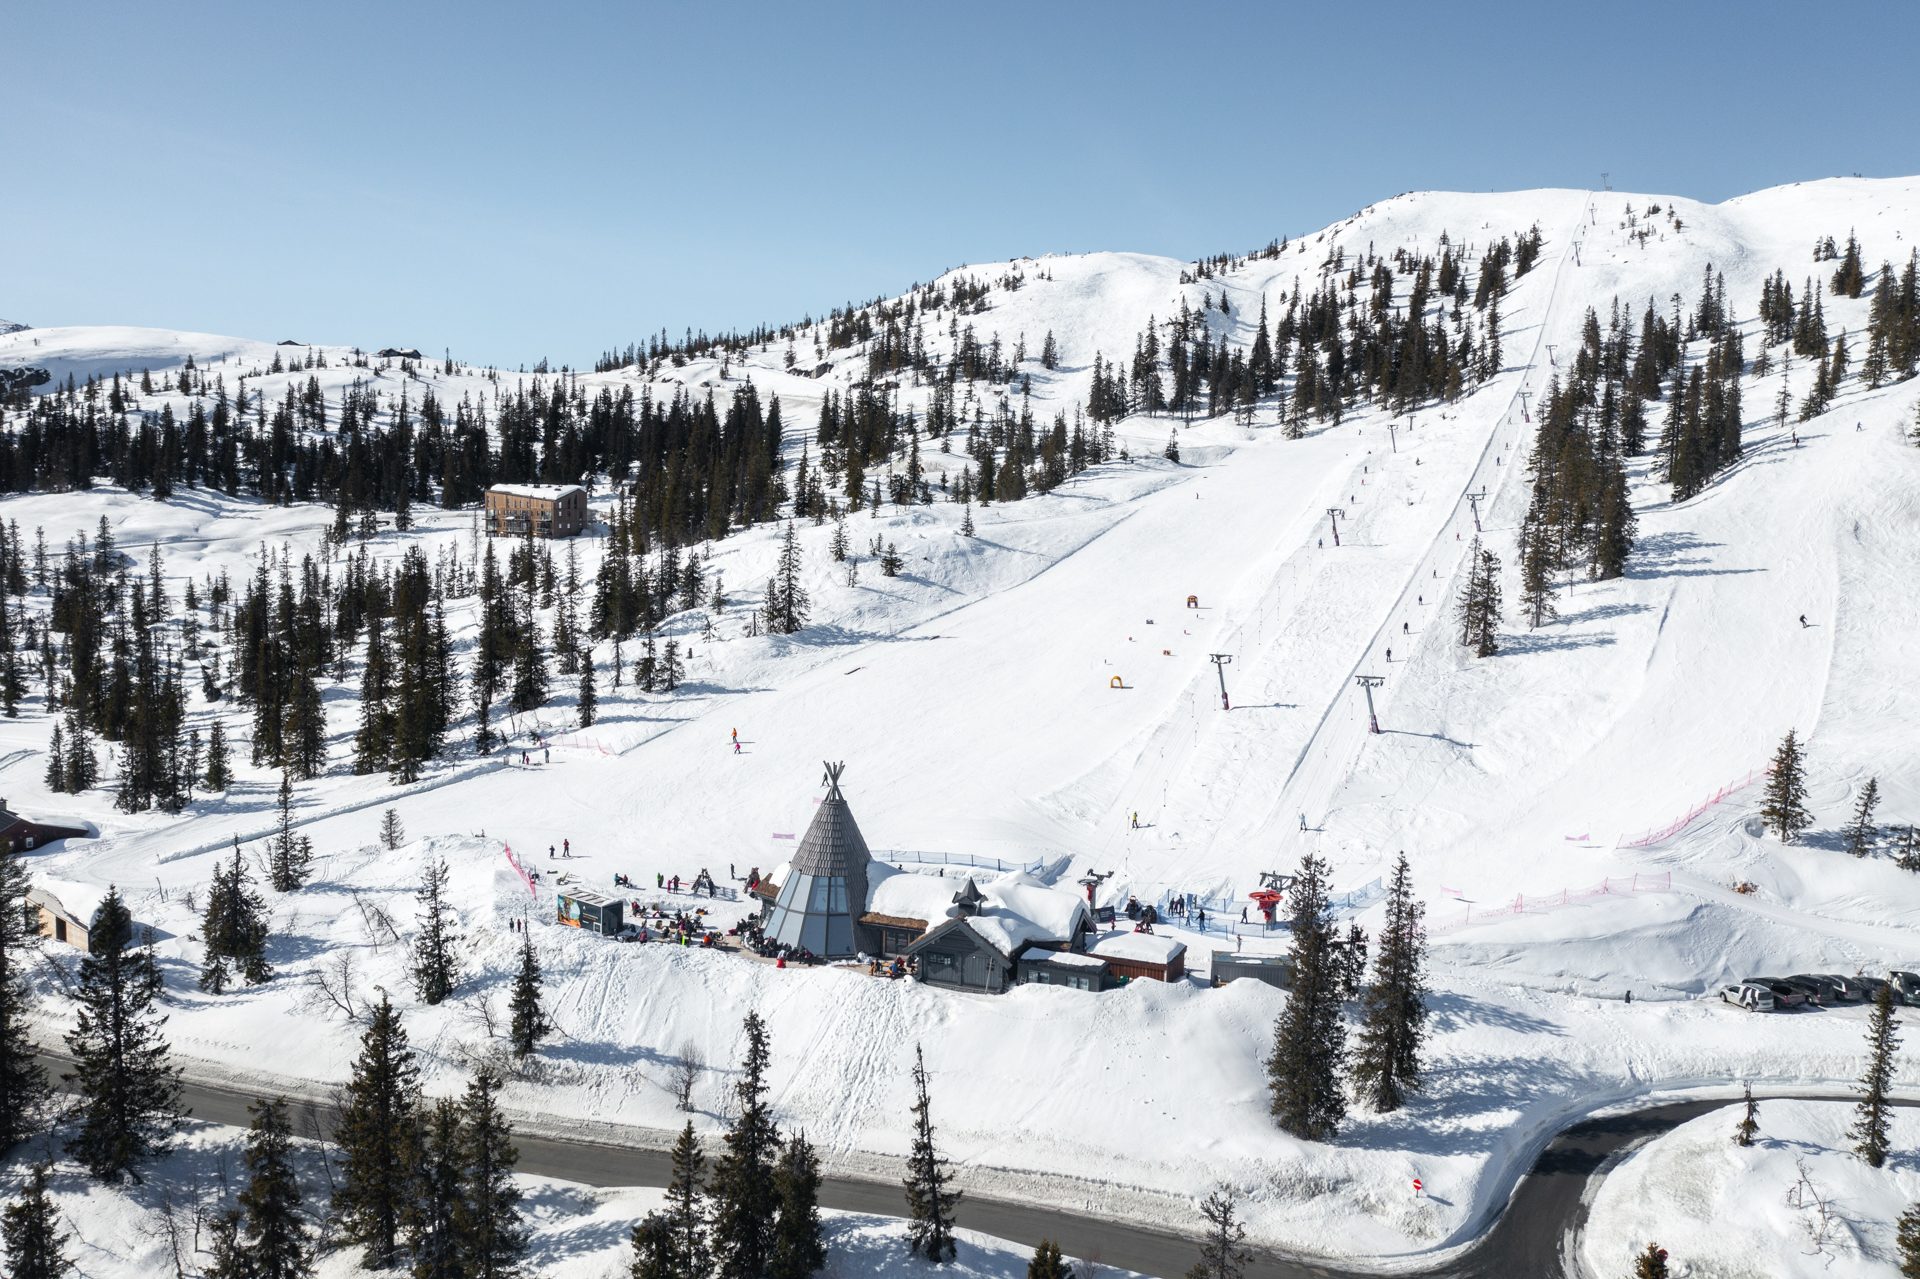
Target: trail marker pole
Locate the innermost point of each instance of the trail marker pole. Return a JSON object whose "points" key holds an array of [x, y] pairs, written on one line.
{"points": [[1371, 682], [1474, 500], [1220, 663], [1333, 514]]}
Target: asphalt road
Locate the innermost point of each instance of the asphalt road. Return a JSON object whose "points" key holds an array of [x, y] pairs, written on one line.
{"points": [[1527, 1239]]}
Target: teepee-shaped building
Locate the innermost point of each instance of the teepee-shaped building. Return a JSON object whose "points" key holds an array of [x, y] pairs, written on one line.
{"points": [[825, 893]]}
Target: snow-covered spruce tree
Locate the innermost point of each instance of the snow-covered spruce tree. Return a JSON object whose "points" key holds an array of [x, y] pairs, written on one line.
{"points": [[529, 668], [1309, 1040], [745, 1197], [790, 614], [1874, 1113], [837, 543], [219, 774], [966, 521], [271, 1241], [529, 1025], [378, 1138], [890, 561], [1862, 836], [486, 1217], [671, 670], [1651, 1264], [798, 1248], [930, 1202], [1536, 576], [1353, 961], [436, 970], [30, 1234], [290, 861], [589, 708], [24, 1091], [1223, 1253], [1386, 1065], [392, 832], [1479, 611], [235, 928], [374, 740], [436, 1193], [56, 775], [1749, 1126], [129, 1096], [1784, 807]]}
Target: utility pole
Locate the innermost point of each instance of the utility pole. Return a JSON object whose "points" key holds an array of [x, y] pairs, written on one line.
{"points": [[1524, 396], [1371, 682], [1474, 500], [1220, 663], [1333, 514]]}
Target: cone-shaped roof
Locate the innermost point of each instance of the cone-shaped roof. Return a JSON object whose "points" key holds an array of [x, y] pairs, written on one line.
{"points": [[833, 844]]}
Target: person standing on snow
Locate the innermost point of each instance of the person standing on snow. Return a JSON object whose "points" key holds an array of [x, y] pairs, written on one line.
{"points": [[1303, 821], [1803, 619]]}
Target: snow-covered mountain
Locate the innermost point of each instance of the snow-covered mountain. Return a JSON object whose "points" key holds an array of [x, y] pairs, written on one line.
{"points": [[973, 700]]}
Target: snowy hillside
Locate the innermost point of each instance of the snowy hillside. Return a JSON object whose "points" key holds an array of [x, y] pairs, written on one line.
{"points": [[972, 698]]}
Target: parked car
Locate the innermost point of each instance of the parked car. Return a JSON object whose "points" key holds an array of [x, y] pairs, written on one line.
{"points": [[1845, 987], [1751, 996], [1830, 990], [1784, 995], [1870, 987], [1906, 986], [1815, 991]]}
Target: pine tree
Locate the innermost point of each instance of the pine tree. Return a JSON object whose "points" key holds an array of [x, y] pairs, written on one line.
{"points": [[378, 1140], [1536, 576], [1862, 835], [392, 833], [790, 613], [129, 1097], [1874, 1113], [530, 1024], [930, 1201], [219, 768], [275, 1243], [1784, 808], [486, 1217], [436, 970], [83, 767], [56, 777], [1387, 1064], [589, 698], [1047, 1262], [24, 1091], [1480, 603], [671, 1243], [890, 561], [798, 1249], [1651, 1264], [34, 1245], [436, 1195], [1309, 1040], [745, 1197], [1749, 1126], [290, 861], [235, 927], [1223, 1254], [1908, 1242], [966, 521]]}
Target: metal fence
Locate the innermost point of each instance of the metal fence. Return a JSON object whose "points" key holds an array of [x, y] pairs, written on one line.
{"points": [[1223, 914], [966, 860]]}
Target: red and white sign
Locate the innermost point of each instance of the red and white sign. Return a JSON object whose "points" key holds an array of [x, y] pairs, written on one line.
{"points": [[1416, 1185]]}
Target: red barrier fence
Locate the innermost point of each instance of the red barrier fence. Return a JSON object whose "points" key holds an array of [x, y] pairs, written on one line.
{"points": [[1667, 832], [1521, 904]]}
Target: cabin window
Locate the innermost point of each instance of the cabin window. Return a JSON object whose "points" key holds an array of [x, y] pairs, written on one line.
{"points": [[59, 929]]}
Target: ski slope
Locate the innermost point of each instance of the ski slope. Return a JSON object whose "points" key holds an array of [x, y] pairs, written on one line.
{"points": [[971, 698]]}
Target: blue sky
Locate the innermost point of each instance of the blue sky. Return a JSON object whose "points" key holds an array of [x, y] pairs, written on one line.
{"points": [[514, 182]]}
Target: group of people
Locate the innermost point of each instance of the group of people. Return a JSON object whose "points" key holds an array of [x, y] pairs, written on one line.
{"points": [[894, 971], [671, 883], [1143, 917]]}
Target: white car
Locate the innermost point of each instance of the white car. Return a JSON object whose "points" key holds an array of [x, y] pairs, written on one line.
{"points": [[1749, 995]]}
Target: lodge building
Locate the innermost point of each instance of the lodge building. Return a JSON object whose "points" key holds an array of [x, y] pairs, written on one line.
{"points": [[544, 510]]}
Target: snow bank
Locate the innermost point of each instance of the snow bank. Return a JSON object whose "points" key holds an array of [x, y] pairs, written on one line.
{"points": [[1722, 1209]]}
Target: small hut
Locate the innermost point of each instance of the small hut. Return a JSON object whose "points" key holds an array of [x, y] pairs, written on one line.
{"points": [[1142, 955], [819, 902]]}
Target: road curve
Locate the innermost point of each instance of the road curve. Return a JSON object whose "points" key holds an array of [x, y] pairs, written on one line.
{"points": [[1529, 1237]]}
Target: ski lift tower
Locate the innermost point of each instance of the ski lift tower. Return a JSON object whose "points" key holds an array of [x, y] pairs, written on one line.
{"points": [[1524, 397], [1371, 682], [1551, 362], [1220, 663], [1092, 880], [1392, 438], [1474, 500], [1333, 514]]}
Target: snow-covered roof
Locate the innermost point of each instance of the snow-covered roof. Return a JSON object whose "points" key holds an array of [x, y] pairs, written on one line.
{"points": [[550, 492], [1140, 948], [1064, 958], [1018, 908], [78, 902]]}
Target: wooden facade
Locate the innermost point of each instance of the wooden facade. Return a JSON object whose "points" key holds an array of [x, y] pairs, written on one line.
{"points": [[956, 956], [544, 510], [19, 834]]}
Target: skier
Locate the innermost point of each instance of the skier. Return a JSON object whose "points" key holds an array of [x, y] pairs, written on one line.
{"points": [[736, 735], [549, 852], [1136, 816], [736, 748], [1323, 543], [1629, 996], [1303, 821], [1404, 630], [1389, 655], [1422, 598], [1803, 619], [549, 758], [1243, 914], [566, 846]]}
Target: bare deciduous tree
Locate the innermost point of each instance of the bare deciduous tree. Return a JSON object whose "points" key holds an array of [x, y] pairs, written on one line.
{"points": [[686, 1073]]}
